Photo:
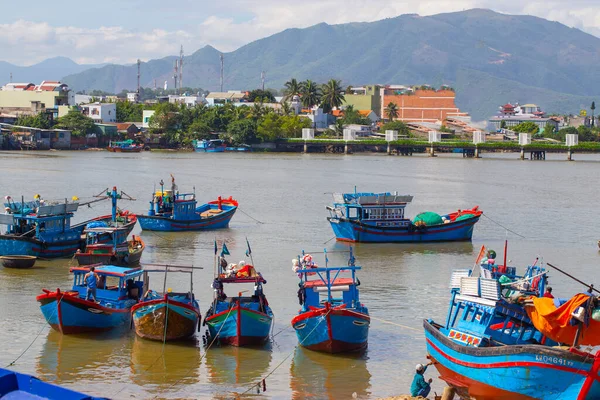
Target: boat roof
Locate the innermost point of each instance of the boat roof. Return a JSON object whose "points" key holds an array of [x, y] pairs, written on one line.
{"points": [[250, 279], [370, 198], [110, 270]]}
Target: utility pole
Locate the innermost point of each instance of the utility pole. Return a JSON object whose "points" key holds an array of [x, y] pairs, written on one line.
{"points": [[175, 75], [222, 62], [181, 68], [155, 85], [138, 76], [262, 80]]}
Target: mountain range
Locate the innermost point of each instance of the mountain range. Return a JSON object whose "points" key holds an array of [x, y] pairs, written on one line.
{"points": [[488, 57], [51, 69]]}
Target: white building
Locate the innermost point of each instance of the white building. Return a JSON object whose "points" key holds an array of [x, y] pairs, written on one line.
{"points": [[146, 115], [219, 98], [101, 113], [133, 97], [189, 101]]}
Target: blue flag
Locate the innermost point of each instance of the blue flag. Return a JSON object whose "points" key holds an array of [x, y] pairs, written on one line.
{"points": [[249, 251], [216, 247], [225, 251]]}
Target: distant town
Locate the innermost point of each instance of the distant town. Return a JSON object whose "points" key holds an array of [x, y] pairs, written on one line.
{"points": [[50, 115]]}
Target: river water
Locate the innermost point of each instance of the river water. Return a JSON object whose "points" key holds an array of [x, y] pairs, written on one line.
{"points": [[552, 203]]}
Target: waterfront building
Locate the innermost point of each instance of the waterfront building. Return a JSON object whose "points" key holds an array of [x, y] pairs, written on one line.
{"points": [[366, 97], [189, 101], [30, 99], [100, 112], [220, 98], [146, 115], [510, 115], [421, 104]]}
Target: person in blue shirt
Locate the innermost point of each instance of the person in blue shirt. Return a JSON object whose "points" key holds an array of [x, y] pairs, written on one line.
{"points": [[419, 387], [91, 282]]}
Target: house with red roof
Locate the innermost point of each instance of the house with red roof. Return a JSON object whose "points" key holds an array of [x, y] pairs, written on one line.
{"points": [[30, 99]]}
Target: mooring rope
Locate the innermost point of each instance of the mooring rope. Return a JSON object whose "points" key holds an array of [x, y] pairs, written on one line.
{"points": [[249, 216], [394, 323], [502, 226]]}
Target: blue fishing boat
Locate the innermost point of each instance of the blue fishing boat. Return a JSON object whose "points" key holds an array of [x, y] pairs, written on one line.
{"points": [[172, 211], [119, 288], [15, 385], [168, 315], [238, 320], [43, 229], [126, 146], [209, 146], [326, 323], [491, 346], [240, 148], [379, 217]]}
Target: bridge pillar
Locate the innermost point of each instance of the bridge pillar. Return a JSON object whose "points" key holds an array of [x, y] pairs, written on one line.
{"points": [[569, 155], [306, 147], [522, 153], [389, 149], [346, 148], [477, 152], [431, 152]]}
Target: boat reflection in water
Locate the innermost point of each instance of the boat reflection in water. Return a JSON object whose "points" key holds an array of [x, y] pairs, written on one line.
{"points": [[365, 250], [77, 359], [157, 370], [324, 376], [237, 366]]}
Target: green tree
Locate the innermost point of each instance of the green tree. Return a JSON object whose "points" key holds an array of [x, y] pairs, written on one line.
{"points": [[502, 124], [548, 131], [292, 125], [263, 96], [332, 95], [270, 127], [292, 88], [339, 127], [310, 94], [401, 127], [242, 131], [286, 109], [39, 121], [586, 134], [526, 127], [199, 130], [391, 110], [166, 119], [77, 123], [129, 112]]}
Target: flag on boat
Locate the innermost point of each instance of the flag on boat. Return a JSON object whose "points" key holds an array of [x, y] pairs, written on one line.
{"points": [[249, 251], [216, 249], [225, 251], [480, 255]]}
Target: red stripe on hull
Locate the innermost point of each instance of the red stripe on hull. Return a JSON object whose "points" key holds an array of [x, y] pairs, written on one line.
{"points": [[468, 388]]}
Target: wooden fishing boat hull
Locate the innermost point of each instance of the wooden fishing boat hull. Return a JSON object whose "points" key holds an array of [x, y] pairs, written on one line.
{"points": [[332, 330], [513, 372], [65, 245], [125, 149], [355, 231], [121, 259], [240, 326], [18, 262], [149, 319], [15, 385], [70, 314], [167, 224]]}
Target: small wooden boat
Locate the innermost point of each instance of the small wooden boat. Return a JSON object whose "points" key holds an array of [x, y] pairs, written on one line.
{"points": [[126, 146], [21, 262], [495, 344], [379, 218], [15, 385], [122, 254], [325, 323], [171, 211], [119, 288], [167, 316]]}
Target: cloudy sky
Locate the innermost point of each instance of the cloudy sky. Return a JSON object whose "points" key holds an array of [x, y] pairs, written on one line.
{"points": [[121, 31]]}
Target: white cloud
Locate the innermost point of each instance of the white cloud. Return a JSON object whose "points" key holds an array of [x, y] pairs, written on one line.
{"points": [[234, 23]]}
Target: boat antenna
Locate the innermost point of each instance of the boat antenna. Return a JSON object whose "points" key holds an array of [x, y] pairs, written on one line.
{"points": [[351, 260], [589, 286], [326, 259]]}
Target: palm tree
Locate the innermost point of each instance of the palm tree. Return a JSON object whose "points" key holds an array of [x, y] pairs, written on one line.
{"points": [[391, 111], [339, 127], [333, 94], [310, 94], [292, 88], [286, 109]]}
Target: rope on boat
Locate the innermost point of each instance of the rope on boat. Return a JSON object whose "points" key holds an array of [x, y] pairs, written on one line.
{"points": [[202, 357], [394, 323], [502, 226], [262, 382], [34, 339], [249, 216], [329, 240]]}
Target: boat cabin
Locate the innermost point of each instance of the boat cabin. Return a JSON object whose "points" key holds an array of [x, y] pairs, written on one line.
{"points": [[257, 301], [324, 285], [35, 219], [116, 284], [484, 312], [381, 209], [175, 205]]}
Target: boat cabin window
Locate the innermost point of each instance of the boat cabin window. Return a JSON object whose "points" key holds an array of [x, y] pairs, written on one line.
{"points": [[352, 212]]}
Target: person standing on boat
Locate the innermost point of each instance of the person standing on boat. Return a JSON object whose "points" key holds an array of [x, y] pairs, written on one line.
{"points": [[91, 282], [419, 387], [548, 293]]}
